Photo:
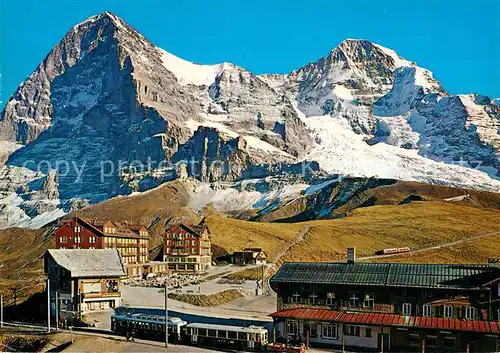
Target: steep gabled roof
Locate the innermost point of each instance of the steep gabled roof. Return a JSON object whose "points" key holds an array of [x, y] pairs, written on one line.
{"points": [[123, 230], [194, 229], [89, 262]]}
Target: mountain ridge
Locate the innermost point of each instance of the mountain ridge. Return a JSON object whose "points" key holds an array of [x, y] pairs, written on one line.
{"points": [[105, 95]]}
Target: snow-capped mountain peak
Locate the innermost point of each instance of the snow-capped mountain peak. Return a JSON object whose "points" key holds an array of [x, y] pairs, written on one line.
{"points": [[191, 73], [107, 94]]}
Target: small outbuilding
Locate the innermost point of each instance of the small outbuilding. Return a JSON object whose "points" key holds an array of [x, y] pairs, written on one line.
{"points": [[249, 256], [83, 280]]}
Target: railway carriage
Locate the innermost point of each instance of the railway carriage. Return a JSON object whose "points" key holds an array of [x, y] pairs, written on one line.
{"points": [[251, 338], [148, 326]]}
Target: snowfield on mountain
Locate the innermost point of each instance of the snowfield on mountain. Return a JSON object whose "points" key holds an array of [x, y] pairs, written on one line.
{"points": [[105, 94]]}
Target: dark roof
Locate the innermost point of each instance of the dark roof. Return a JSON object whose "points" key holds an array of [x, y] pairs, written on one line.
{"points": [[384, 319], [122, 230], [387, 274], [194, 229], [326, 273]]}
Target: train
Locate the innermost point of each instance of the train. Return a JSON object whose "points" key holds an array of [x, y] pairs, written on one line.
{"points": [[152, 327], [392, 251]]}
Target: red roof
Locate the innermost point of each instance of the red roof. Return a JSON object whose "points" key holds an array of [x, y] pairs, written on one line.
{"points": [[379, 319], [312, 314]]}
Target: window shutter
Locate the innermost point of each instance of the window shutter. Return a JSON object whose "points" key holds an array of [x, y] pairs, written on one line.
{"points": [[434, 311], [456, 312]]}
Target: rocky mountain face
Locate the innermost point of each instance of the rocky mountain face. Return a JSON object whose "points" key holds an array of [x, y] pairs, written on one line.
{"points": [[107, 113]]}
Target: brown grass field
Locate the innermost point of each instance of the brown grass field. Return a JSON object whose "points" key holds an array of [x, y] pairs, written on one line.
{"points": [[416, 225]]}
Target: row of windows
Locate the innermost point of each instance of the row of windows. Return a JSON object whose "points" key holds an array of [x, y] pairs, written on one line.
{"points": [[124, 241], [328, 331], [193, 251], [470, 313], [182, 259], [76, 239], [330, 299], [431, 340], [75, 247], [227, 334], [181, 242], [179, 236]]}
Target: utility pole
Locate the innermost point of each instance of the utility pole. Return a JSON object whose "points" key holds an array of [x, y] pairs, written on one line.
{"points": [[262, 284], [57, 311], [166, 314], [48, 304], [1, 311]]}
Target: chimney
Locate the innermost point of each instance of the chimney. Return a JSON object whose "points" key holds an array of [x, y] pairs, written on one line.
{"points": [[351, 255]]}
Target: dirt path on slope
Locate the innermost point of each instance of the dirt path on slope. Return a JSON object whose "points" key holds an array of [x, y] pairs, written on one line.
{"points": [[300, 238], [276, 263]]}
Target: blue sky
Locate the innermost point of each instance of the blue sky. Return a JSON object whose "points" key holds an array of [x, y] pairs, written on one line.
{"points": [[458, 40]]}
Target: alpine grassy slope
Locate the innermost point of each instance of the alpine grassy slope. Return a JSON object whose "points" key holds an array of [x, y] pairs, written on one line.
{"points": [[105, 99]]}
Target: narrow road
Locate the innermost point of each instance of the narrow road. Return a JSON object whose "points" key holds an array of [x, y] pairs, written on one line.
{"points": [[435, 247]]}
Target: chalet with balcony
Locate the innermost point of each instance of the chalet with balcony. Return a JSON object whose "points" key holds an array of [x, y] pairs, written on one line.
{"points": [[187, 248], [131, 240], [413, 307], [83, 280]]}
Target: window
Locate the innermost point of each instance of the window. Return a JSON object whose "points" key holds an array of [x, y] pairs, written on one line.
{"points": [[77, 229], [232, 335], [62, 239], [193, 251], [193, 242], [168, 242], [295, 298], [431, 341], [414, 339], [449, 342], [292, 328], [353, 300], [470, 313], [353, 330], [92, 239], [498, 314], [368, 332], [329, 331], [212, 333], [221, 334], [406, 309], [426, 310], [313, 298], [448, 312], [330, 298], [242, 336], [369, 301]]}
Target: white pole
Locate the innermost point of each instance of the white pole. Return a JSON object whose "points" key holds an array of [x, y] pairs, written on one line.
{"points": [[48, 305], [1, 311], [57, 311], [166, 314]]}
